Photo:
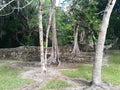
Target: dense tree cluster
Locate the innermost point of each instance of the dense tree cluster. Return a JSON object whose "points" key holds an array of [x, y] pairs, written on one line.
{"points": [[21, 28]]}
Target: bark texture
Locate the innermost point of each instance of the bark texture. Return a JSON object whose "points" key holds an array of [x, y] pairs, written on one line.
{"points": [[47, 33], [96, 79], [43, 62], [55, 52]]}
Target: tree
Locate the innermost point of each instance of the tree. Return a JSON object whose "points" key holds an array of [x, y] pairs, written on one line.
{"points": [[96, 79], [55, 52], [84, 12], [42, 57], [76, 49], [47, 33], [19, 28]]}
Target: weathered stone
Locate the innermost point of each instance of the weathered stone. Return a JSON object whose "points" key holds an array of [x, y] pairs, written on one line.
{"points": [[20, 53], [31, 53]]}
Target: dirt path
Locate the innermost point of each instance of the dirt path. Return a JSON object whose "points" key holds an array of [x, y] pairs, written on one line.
{"points": [[40, 79]]}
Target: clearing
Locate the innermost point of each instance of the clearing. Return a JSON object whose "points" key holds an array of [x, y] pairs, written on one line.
{"points": [[32, 71]]}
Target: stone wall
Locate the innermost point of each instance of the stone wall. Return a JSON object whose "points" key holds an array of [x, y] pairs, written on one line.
{"points": [[83, 57], [20, 53], [32, 54]]}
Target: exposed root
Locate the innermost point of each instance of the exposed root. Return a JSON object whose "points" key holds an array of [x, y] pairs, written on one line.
{"points": [[98, 87]]}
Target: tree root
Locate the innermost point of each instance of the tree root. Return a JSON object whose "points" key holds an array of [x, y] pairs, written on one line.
{"points": [[98, 87]]}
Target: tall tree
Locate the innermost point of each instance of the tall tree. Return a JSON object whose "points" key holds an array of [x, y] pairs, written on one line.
{"points": [[43, 62], [55, 52], [47, 33], [96, 79]]}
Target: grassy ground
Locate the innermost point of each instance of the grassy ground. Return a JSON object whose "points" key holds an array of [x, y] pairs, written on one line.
{"points": [[81, 71], [9, 79], [110, 74], [55, 85], [115, 56]]}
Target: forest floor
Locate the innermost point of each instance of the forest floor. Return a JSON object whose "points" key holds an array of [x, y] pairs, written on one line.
{"points": [[31, 70]]}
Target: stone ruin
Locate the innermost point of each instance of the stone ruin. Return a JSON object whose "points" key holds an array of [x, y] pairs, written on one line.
{"points": [[32, 53], [20, 53]]}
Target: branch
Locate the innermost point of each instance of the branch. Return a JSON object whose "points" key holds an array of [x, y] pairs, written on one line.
{"points": [[6, 5], [7, 13], [101, 12], [14, 8], [24, 5]]}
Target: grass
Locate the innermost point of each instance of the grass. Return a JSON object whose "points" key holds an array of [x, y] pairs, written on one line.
{"points": [[110, 74], [9, 79], [80, 72], [114, 56], [55, 85]]}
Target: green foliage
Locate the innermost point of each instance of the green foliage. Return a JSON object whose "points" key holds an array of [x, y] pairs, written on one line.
{"points": [[64, 28], [20, 27], [9, 79], [86, 11], [55, 85], [90, 12]]}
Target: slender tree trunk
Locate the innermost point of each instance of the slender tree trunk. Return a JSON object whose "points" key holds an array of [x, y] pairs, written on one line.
{"points": [[76, 46], [84, 40], [55, 52], [100, 44], [47, 33], [43, 63]]}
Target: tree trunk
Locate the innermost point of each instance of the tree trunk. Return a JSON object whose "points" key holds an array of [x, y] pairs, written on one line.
{"points": [[47, 33], [84, 40], [55, 52], [43, 62], [96, 79], [76, 46]]}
